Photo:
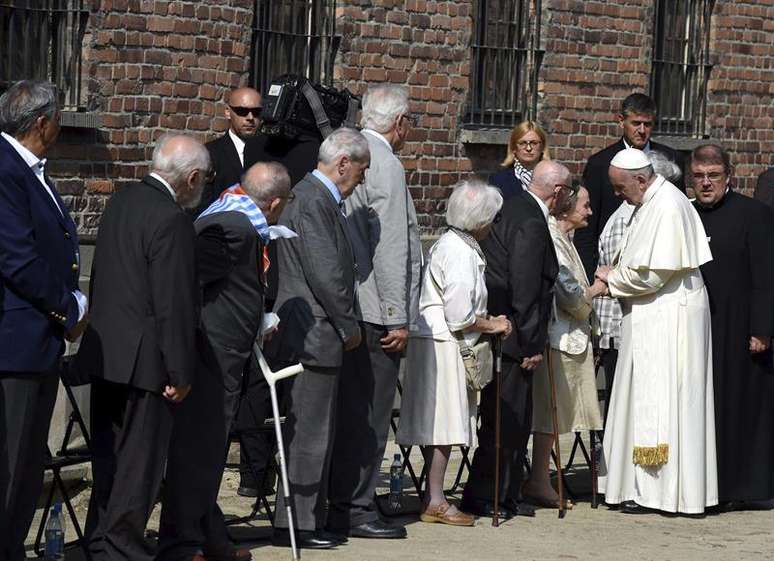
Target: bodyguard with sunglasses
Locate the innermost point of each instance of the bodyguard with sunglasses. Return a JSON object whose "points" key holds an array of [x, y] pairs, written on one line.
{"points": [[237, 149]]}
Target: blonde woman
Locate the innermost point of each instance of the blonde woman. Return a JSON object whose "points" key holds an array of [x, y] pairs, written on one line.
{"points": [[527, 146]]}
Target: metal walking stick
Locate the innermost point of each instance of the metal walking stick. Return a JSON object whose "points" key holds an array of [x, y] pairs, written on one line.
{"points": [[272, 378], [560, 483], [498, 370]]}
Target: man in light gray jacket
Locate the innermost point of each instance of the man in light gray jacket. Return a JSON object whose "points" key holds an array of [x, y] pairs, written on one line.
{"points": [[383, 228]]}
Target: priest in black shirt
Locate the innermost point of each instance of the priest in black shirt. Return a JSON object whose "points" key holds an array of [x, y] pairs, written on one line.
{"points": [[740, 282]]}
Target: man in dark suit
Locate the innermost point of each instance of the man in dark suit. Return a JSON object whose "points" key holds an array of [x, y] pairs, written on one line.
{"points": [[41, 304], [319, 321], [140, 346], [637, 117], [236, 150], [520, 275], [232, 235]]}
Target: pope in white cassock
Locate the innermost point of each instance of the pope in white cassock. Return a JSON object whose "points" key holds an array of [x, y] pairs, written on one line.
{"points": [[659, 446]]}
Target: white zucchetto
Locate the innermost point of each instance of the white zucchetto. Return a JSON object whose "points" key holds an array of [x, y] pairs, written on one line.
{"points": [[630, 158]]}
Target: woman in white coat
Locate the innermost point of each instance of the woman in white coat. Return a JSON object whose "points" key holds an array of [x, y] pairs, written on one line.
{"points": [[572, 357], [438, 410]]}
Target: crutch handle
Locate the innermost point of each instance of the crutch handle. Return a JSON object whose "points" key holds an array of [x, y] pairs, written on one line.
{"points": [[271, 376]]}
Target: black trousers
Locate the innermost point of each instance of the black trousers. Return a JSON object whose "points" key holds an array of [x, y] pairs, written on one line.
{"points": [[515, 428], [130, 435], [26, 404], [366, 396], [191, 520], [255, 444], [608, 359], [308, 433]]}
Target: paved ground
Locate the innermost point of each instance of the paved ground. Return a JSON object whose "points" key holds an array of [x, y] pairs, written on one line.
{"points": [[599, 534]]}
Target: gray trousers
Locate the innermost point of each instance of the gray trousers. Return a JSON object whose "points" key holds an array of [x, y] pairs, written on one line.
{"points": [[366, 396], [26, 404], [308, 434]]}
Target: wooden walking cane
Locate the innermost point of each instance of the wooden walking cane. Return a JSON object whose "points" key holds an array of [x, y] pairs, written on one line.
{"points": [[560, 483], [498, 369]]}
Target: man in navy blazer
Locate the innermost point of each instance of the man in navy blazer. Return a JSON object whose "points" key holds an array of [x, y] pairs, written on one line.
{"points": [[41, 303]]}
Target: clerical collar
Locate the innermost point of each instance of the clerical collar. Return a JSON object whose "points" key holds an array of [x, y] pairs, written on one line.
{"points": [[165, 183], [541, 204], [645, 148]]}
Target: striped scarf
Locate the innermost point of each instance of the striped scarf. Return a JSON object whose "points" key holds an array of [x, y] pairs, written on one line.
{"points": [[523, 174], [235, 199]]}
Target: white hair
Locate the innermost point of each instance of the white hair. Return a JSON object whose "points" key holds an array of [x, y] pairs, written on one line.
{"points": [[176, 163], [265, 181], [344, 142], [472, 205], [662, 165], [382, 104]]}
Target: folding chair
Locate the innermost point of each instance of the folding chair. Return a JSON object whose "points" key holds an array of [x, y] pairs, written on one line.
{"points": [[66, 457]]}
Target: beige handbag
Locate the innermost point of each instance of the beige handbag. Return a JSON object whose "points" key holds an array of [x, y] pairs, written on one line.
{"points": [[478, 359]]}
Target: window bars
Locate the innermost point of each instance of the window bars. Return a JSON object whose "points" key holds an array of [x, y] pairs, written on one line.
{"points": [[42, 39], [293, 36], [505, 60], [681, 67]]}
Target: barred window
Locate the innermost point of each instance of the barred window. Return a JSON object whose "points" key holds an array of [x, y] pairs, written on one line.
{"points": [[293, 36], [681, 66], [504, 61], [42, 39]]}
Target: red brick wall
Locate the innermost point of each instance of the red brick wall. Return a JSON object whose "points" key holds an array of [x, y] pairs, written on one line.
{"points": [[424, 45], [159, 65], [152, 67]]}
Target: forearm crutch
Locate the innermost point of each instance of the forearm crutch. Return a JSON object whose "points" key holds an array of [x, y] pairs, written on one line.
{"points": [[272, 378], [560, 482]]}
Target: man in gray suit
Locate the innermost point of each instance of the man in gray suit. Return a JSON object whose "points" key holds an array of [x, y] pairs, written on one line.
{"points": [[319, 322], [383, 226]]}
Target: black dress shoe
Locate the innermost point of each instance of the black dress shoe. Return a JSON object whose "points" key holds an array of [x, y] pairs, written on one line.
{"points": [[485, 509], [377, 529], [518, 508], [630, 507], [305, 539], [333, 535]]}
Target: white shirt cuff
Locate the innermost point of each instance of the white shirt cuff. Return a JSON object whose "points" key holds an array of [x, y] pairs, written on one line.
{"points": [[83, 303]]}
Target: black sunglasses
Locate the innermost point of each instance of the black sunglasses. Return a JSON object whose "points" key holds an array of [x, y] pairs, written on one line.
{"points": [[245, 111]]}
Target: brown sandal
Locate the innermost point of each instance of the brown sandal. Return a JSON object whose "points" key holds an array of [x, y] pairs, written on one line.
{"points": [[441, 514]]}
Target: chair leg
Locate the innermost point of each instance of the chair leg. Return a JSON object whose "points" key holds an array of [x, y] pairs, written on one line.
{"points": [[567, 488], [464, 464], [42, 526], [594, 490], [81, 540]]}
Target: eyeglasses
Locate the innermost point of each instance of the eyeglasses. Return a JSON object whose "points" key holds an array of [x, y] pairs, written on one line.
{"points": [[714, 176], [209, 174], [529, 143], [411, 119], [245, 111], [289, 197]]}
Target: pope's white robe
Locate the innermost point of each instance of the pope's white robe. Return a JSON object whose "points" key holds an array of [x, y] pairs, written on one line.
{"points": [[662, 399]]}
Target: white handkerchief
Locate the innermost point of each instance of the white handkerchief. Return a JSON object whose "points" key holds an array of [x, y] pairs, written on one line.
{"points": [[281, 232], [269, 323]]}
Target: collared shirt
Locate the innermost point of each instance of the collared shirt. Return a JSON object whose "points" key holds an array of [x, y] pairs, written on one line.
{"points": [[36, 164], [330, 185], [645, 148], [165, 183], [608, 309], [542, 205], [379, 136], [239, 144]]}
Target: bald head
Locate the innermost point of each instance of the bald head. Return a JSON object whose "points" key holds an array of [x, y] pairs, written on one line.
{"points": [[548, 178], [184, 163], [243, 110], [268, 185]]}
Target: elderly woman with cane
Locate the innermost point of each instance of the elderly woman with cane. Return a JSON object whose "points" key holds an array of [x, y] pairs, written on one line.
{"points": [[572, 358], [439, 408]]}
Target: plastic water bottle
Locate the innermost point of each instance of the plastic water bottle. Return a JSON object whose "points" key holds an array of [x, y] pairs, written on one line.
{"points": [[396, 483], [55, 535]]}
